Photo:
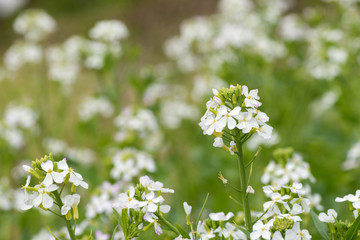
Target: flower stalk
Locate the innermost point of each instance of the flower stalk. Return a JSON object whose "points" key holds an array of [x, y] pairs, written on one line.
{"points": [[243, 185]]}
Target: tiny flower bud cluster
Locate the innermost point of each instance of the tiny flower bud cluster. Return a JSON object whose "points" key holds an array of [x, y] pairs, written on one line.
{"points": [[231, 112], [280, 219], [142, 205], [53, 175]]}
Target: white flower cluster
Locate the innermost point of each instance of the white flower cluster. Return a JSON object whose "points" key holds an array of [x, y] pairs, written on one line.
{"points": [[218, 226], [61, 148], [338, 228], [34, 24], [64, 60], [52, 175], [234, 110], [17, 119], [22, 53], [147, 202], [290, 169], [138, 125], [107, 36], [281, 219], [354, 200], [129, 163], [109, 31], [103, 202], [237, 25], [173, 112], [294, 169], [92, 106]]}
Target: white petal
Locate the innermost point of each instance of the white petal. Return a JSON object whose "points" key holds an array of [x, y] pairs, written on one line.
{"points": [[231, 123], [47, 201], [65, 209], [152, 207], [37, 200], [165, 208], [48, 180], [58, 177], [62, 165], [48, 165]]}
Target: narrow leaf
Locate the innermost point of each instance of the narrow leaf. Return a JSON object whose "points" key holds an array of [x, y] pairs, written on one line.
{"points": [[320, 226], [117, 215], [202, 209], [353, 230], [182, 231], [113, 234]]}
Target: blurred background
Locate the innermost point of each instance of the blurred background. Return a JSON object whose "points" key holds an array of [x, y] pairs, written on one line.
{"points": [[148, 92]]}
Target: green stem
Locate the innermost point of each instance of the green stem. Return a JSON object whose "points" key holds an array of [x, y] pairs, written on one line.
{"points": [[167, 223], [243, 185], [68, 223]]}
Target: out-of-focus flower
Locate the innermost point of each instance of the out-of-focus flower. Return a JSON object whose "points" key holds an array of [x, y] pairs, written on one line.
{"points": [[34, 24], [109, 31]]}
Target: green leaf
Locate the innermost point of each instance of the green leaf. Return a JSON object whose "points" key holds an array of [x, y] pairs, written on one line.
{"points": [[202, 209], [320, 226], [244, 230], [182, 231], [113, 234], [117, 215], [124, 221], [353, 230]]}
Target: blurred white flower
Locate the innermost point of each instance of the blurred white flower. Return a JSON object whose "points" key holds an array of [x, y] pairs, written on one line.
{"points": [[34, 24], [21, 53], [109, 31], [92, 106], [7, 8]]}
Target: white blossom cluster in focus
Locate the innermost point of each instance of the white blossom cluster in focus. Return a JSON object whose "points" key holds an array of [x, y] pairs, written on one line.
{"points": [[232, 115]]}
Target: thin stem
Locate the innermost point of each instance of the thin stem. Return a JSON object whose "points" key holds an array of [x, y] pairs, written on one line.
{"points": [[167, 223], [243, 185], [68, 223]]}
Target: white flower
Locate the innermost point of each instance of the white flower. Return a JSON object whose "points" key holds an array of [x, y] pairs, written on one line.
{"points": [[265, 131], [153, 202], [150, 217], [231, 230], [226, 117], [34, 24], [251, 97], [218, 142], [109, 31], [220, 216], [296, 234], [277, 236], [75, 178], [297, 188], [204, 233], [249, 189], [246, 122], [187, 208], [330, 217], [71, 201], [261, 230], [43, 197], [51, 175]]}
